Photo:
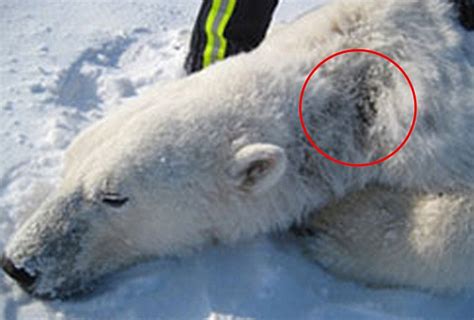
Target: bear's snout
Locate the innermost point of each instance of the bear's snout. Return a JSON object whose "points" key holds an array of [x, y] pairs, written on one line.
{"points": [[24, 279]]}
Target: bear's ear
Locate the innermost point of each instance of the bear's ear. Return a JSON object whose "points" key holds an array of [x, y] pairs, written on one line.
{"points": [[257, 167]]}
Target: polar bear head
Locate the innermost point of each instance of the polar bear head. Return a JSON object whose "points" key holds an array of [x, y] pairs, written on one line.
{"points": [[155, 181]]}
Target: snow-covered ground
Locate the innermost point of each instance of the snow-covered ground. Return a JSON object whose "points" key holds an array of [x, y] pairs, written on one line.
{"points": [[63, 65]]}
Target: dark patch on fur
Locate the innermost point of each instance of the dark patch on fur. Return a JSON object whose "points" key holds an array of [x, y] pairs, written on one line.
{"points": [[366, 92], [302, 231], [465, 13], [365, 105]]}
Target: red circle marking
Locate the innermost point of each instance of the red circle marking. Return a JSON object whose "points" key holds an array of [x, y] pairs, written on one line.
{"points": [[350, 164]]}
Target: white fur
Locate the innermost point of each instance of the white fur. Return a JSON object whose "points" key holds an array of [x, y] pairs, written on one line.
{"points": [[220, 156], [382, 237]]}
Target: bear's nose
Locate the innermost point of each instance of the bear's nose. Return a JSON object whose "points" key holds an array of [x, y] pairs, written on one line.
{"points": [[20, 275]]}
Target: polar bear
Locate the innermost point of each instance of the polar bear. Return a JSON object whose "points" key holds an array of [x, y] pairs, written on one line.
{"points": [[220, 156]]}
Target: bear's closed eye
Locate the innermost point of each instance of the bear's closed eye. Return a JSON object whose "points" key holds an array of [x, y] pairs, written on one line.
{"points": [[114, 200]]}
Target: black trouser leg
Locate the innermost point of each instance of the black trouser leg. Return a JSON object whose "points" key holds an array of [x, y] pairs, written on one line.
{"points": [[227, 27]]}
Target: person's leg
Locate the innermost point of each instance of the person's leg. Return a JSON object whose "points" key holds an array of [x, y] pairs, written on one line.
{"points": [[227, 27]]}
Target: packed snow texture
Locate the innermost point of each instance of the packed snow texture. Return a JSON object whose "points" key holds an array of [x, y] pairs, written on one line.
{"points": [[65, 64]]}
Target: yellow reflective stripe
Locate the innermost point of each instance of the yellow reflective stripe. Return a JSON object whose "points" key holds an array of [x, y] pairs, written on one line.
{"points": [[211, 32], [210, 36], [220, 30]]}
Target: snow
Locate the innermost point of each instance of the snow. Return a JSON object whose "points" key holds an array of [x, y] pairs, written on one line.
{"points": [[65, 64]]}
